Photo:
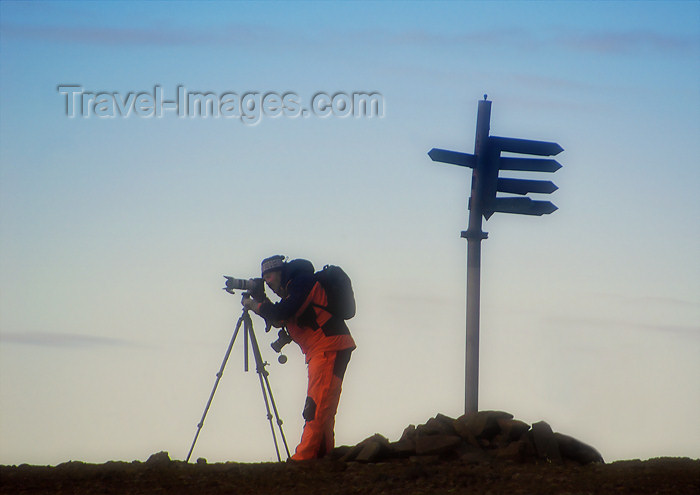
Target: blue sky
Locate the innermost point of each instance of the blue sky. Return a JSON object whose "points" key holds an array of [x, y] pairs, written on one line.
{"points": [[115, 232]]}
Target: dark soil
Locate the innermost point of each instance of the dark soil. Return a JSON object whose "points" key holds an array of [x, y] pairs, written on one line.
{"points": [[418, 475]]}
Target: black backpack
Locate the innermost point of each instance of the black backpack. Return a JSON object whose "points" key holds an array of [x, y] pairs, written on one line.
{"points": [[338, 287]]}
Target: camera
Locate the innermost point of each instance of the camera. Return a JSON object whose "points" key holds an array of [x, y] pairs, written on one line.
{"points": [[254, 286], [283, 339]]}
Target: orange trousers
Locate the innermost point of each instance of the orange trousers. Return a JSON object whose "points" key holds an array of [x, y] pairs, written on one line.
{"points": [[326, 372]]}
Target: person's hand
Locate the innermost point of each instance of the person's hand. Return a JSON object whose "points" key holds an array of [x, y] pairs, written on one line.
{"points": [[249, 303]]}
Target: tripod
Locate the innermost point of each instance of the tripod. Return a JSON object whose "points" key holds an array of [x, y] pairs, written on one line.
{"points": [[263, 374]]}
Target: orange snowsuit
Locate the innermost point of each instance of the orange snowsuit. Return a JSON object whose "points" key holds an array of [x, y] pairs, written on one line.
{"points": [[326, 343]]}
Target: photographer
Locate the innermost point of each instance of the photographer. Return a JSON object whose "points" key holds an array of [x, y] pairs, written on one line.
{"points": [[324, 339]]}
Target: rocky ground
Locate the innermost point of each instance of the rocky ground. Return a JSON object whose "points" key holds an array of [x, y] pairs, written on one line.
{"points": [[409, 476], [487, 452]]}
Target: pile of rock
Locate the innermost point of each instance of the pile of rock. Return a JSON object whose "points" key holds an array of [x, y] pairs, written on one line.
{"points": [[474, 437]]}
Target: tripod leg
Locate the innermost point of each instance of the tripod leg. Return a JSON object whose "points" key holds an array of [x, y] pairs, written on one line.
{"points": [[269, 415], [247, 323], [260, 369], [216, 384], [263, 374], [277, 416]]}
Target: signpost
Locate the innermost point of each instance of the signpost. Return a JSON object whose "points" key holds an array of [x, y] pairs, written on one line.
{"points": [[485, 164]]}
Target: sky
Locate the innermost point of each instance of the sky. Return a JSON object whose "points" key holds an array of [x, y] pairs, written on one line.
{"points": [[121, 208]]}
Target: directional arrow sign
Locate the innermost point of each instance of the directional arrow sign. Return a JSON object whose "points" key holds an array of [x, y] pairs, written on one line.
{"points": [[505, 162], [452, 157], [523, 186], [523, 206], [525, 146], [529, 164]]}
